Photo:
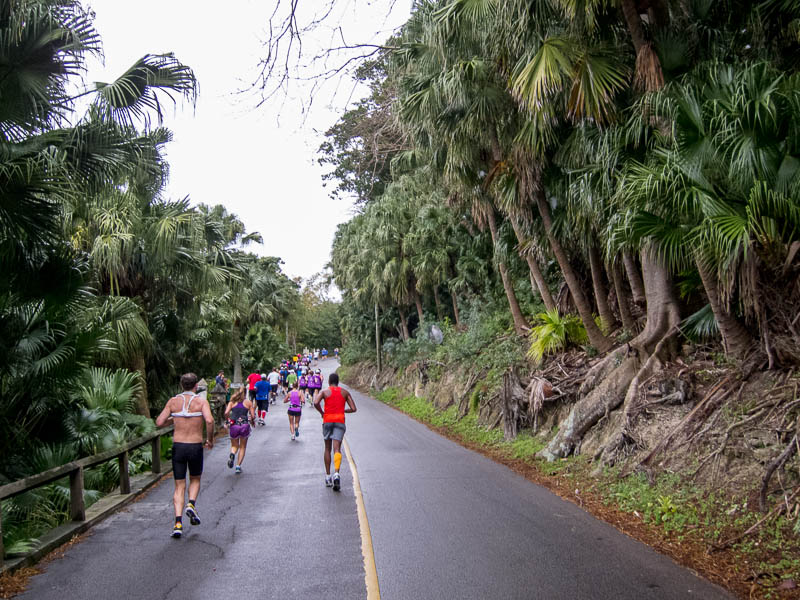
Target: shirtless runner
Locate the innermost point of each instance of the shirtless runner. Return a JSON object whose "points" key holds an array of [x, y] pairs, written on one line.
{"points": [[188, 412]]}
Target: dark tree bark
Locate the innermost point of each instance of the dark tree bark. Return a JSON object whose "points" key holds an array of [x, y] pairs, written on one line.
{"points": [[537, 279], [404, 324], [634, 278], [622, 300], [735, 339], [634, 22], [596, 337], [418, 304], [520, 324], [600, 290], [455, 308]]}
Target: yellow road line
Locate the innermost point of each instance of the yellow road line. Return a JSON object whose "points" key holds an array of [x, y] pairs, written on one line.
{"points": [[370, 570]]}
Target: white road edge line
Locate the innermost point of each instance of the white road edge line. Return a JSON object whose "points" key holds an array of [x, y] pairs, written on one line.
{"points": [[370, 570]]}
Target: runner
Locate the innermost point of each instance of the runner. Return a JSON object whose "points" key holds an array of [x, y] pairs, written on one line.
{"points": [[302, 384], [263, 388], [187, 446], [295, 400], [336, 352], [240, 414], [274, 380], [283, 373], [291, 379], [324, 353], [314, 383], [252, 379], [333, 427]]}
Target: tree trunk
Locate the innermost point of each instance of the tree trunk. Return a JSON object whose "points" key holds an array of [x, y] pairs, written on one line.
{"points": [[537, 279], [735, 339], [438, 303], [455, 308], [237, 354], [634, 278], [520, 324], [418, 304], [615, 379], [404, 324], [628, 322], [634, 21], [596, 337], [142, 405], [600, 290], [663, 314]]}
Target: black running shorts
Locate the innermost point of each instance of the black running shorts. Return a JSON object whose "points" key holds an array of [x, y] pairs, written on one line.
{"points": [[263, 404], [187, 456]]}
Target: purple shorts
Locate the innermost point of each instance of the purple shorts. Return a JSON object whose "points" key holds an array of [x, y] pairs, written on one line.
{"points": [[240, 431]]}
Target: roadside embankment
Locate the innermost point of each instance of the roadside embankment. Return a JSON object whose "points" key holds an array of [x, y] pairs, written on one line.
{"points": [[706, 449]]}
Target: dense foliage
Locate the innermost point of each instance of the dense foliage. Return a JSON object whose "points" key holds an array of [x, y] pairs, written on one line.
{"points": [[638, 165], [110, 289]]}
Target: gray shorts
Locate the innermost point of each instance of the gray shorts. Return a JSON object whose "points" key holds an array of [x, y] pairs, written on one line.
{"points": [[333, 431]]}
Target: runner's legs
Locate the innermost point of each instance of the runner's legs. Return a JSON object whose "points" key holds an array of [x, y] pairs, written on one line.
{"points": [[242, 450], [327, 457], [179, 496], [194, 486]]}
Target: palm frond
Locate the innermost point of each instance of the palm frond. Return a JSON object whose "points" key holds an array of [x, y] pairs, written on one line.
{"points": [[136, 93]]}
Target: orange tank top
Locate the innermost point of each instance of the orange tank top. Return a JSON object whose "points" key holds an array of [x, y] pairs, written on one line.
{"points": [[334, 406]]}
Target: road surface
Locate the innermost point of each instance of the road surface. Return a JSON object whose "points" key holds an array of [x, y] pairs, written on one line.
{"points": [[446, 523]]}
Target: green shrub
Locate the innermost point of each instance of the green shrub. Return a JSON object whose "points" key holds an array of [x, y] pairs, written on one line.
{"points": [[554, 333]]}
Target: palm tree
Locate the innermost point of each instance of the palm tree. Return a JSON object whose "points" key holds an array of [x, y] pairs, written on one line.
{"points": [[721, 195], [48, 165], [449, 100]]}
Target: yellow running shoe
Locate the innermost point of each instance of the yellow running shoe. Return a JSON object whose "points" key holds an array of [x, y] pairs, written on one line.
{"points": [[177, 531]]}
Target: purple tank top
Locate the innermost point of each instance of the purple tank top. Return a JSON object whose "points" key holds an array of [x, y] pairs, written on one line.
{"points": [[295, 401]]}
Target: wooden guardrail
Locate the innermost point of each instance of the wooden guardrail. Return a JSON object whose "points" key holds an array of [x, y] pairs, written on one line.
{"points": [[74, 469]]}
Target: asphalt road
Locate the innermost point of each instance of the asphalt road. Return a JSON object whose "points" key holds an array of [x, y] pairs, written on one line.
{"points": [[445, 522]]}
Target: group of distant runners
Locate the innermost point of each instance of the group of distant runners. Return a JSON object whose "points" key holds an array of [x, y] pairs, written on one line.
{"points": [[295, 380]]}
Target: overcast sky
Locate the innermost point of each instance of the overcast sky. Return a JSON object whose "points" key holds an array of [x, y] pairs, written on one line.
{"points": [[260, 163]]}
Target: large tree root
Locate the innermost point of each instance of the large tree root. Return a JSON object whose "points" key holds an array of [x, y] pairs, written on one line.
{"points": [[604, 398], [651, 366], [616, 379]]}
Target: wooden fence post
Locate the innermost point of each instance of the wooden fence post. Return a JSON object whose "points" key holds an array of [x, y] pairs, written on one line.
{"points": [[124, 476], [77, 509], [155, 463]]}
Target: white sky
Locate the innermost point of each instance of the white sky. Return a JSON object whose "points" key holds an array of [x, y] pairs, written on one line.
{"points": [[225, 151]]}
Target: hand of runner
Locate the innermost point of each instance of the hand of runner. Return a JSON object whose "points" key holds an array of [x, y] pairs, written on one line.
{"points": [[209, 444]]}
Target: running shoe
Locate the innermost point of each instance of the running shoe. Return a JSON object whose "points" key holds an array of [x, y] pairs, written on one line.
{"points": [[328, 481], [297, 431], [191, 512], [177, 531], [230, 460], [336, 482], [292, 437], [238, 470]]}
